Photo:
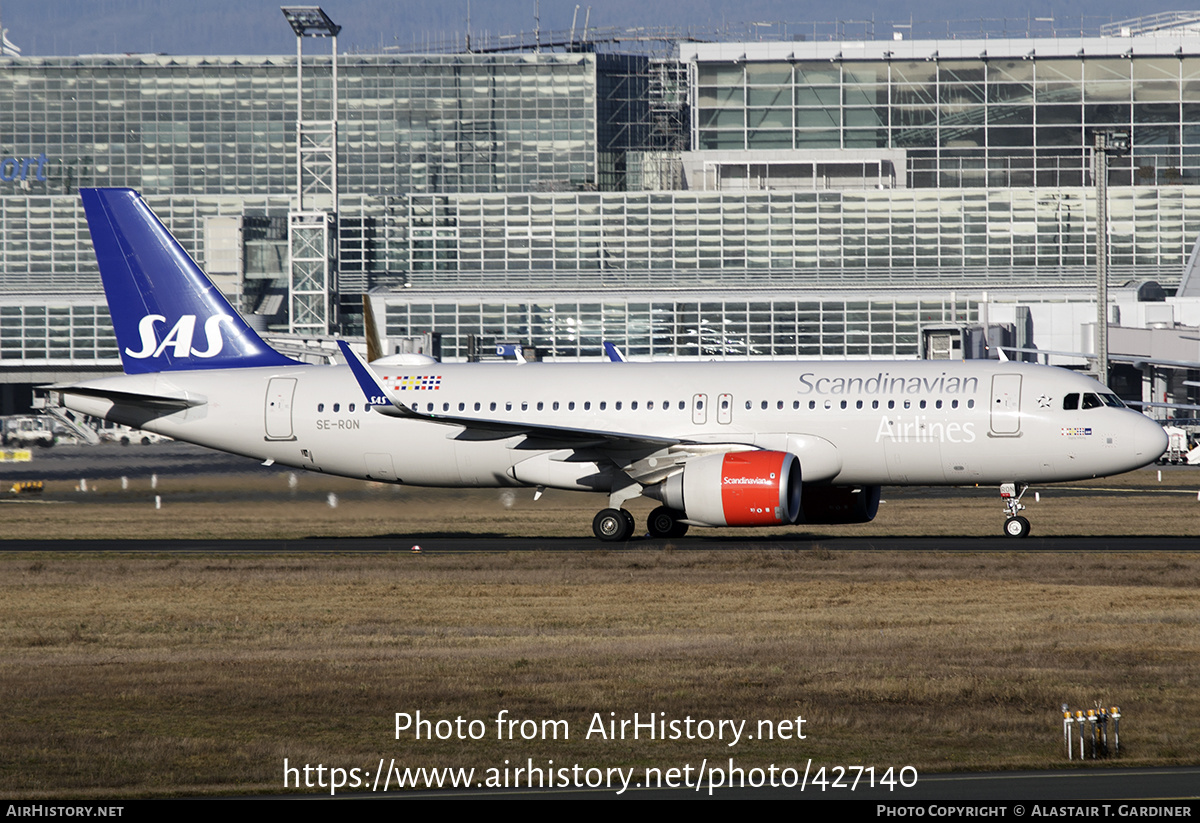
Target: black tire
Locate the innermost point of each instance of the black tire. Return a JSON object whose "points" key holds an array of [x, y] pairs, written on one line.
{"points": [[612, 525], [664, 522], [1016, 527]]}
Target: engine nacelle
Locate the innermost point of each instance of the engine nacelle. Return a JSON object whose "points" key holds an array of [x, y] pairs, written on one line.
{"points": [[830, 505], [750, 488]]}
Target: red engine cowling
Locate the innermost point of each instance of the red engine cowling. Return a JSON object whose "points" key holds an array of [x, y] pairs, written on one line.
{"points": [[829, 505], [751, 488]]}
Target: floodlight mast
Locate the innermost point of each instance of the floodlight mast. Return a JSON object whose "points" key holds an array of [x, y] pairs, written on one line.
{"points": [[312, 235], [320, 138], [1106, 143]]}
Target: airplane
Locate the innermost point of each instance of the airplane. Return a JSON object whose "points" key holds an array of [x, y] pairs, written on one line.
{"points": [[715, 444]]}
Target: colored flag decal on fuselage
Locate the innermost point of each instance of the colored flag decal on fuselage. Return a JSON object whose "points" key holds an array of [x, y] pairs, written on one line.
{"points": [[417, 382], [1075, 431]]}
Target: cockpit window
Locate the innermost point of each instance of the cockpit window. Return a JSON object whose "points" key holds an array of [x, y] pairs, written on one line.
{"points": [[1095, 401], [1071, 401]]}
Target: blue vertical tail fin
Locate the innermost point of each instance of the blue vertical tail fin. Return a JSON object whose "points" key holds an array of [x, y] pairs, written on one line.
{"points": [[167, 314]]}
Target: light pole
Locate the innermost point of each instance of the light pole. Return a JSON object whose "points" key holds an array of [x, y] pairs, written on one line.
{"points": [[317, 138], [312, 235], [1107, 142]]}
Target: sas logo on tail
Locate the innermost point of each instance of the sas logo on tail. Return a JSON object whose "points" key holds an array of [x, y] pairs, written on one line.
{"points": [[180, 337]]}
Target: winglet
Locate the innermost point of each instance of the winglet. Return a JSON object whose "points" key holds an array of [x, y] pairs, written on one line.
{"points": [[370, 386], [613, 353]]}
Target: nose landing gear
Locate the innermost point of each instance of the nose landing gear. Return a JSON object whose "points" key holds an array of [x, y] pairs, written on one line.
{"points": [[1014, 524]]}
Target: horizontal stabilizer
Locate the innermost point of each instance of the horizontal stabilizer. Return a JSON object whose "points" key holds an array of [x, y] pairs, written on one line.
{"points": [[129, 398]]}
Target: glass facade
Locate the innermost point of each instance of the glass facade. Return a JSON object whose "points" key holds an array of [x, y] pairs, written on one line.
{"points": [[948, 237], [485, 194], [56, 332], [1016, 119], [224, 125], [706, 326]]}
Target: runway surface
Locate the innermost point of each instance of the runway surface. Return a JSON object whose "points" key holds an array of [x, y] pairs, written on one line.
{"points": [[431, 544]]}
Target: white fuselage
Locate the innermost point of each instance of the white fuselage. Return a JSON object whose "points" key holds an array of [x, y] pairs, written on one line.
{"points": [[882, 423]]}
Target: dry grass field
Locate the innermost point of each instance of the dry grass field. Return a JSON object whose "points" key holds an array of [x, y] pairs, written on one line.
{"points": [[152, 674]]}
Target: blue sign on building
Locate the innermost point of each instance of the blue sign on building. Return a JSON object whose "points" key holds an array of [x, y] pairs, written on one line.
{"points": [[19, 168]]}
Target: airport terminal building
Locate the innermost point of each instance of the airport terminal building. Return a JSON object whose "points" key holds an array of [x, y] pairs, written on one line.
{"points": [[776, 199]]}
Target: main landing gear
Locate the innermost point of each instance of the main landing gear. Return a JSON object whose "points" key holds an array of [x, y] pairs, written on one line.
{"points": [[617, 525], [613, 525], [1014, 524], [664, 522]]}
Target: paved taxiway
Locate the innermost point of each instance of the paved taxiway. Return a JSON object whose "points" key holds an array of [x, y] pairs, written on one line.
{"points": [[474, 543]]}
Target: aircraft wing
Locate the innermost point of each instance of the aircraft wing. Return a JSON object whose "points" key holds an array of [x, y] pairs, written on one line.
{"points": [[476, 428]]}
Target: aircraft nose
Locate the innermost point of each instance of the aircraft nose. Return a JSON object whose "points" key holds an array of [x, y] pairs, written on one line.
{"points": [[1149, 440]]}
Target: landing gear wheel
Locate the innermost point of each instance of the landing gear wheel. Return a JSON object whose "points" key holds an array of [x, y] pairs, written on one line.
{"points": [[613, 525], [629, 522], [664, 522], [1016, 527]]}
